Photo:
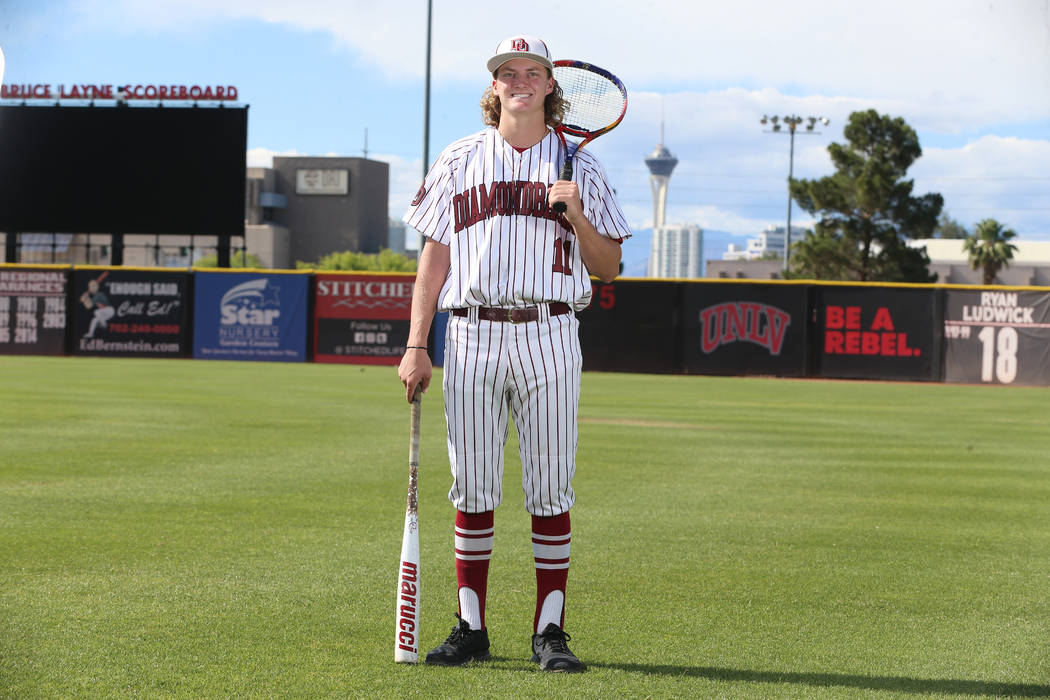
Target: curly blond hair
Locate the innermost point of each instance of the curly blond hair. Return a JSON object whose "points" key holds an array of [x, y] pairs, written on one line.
{"points": [[554, 106]]}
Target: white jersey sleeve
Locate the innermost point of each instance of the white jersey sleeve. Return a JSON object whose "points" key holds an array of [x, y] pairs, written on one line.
{"points": [[429, 212], [599, 201]]}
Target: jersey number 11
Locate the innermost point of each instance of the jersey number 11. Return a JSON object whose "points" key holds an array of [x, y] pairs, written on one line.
{"points": [[562, 256]]}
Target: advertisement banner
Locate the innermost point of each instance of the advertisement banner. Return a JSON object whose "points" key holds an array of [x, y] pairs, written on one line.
{"points": [[362, 318], [736, 328], [631, 326], [876, 333], [130, 312], [33, 311], [250, 316], [997, 337]]}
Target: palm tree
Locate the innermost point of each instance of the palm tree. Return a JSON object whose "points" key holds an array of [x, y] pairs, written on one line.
{"points": [[989, 248]]}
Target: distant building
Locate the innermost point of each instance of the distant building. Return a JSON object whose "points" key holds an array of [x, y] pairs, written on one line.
{"points": [[745, 269], [321, 205], [396, 236], [1030, 265], [769, 243], [677, 252], [661, 164]]}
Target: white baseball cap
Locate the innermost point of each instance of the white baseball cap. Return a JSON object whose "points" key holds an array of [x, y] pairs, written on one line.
{"points": [[521, 46]]}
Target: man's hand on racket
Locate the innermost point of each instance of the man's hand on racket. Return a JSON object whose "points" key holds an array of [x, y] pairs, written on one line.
{"points": [[567, 192]]}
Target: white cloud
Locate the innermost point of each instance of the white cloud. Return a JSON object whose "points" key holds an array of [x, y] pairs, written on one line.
{"points": [[955, 70], [732, 172], [263, 157], [975, 59], [1007, 179]]}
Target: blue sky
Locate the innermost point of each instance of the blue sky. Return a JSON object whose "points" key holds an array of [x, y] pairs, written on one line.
{"points": [[971, 76]]}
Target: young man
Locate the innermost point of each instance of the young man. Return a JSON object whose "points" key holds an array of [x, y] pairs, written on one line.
{"points": [[512, 273]]}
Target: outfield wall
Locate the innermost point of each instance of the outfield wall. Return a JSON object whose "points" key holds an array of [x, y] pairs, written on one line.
{"points": [[994, 335]]}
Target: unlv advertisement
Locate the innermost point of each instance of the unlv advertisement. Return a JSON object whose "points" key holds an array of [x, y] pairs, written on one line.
{"points": [[885, 333], [362, 318], [997, 337], [32, 311], [745, 329], [247, 316], [130, 313]]}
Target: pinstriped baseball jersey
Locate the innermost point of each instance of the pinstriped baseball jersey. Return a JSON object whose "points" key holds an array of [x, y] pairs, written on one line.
{"points": [[508, 248], [488, 202]]}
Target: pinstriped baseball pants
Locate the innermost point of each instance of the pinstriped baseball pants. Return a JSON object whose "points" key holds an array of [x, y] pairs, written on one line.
{"points": [[529, 371]]}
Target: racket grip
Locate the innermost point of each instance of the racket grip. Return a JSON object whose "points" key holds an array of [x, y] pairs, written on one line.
{"points": [[566, 174], [566, 170]]}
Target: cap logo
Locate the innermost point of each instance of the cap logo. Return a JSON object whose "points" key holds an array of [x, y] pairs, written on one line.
{"points": [[519, 45]]}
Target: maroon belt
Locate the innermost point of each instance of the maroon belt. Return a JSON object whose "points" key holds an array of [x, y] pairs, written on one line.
{"points": [[521, 315]]}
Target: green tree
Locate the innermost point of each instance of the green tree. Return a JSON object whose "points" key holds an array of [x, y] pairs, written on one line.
{"points": [[385, 260], [989, 248], [947, 227], [236, 260], [866, 210]]}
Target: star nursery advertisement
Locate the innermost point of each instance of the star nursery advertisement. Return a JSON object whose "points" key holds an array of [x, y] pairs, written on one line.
{"points": [[241, 316]]}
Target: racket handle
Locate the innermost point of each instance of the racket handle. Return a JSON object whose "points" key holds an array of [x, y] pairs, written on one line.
{"points": [[566, 170], [566, 174]]}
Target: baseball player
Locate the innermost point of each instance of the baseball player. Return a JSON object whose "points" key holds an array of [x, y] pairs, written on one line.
{"points": [[511, 273], [95, 298]]}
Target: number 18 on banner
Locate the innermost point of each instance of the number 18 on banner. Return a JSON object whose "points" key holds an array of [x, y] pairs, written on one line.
{"points": [[999, 337]]}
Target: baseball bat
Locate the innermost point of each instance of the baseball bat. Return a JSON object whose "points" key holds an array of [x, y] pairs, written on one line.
{"points": [[406, 632], [98, 280]]}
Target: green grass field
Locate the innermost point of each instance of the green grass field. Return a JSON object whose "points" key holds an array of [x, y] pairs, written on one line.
{"points": [[204, 529]]}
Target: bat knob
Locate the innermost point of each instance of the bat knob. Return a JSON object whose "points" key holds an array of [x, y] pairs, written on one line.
{"points": [[559, 207]]}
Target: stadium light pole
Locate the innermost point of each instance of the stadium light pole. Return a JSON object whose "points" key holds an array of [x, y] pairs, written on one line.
{"points": [[426, 114], [791, 122]]}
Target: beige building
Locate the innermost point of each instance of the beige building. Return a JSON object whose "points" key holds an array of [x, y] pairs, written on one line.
{"points": [[1030, 266]]}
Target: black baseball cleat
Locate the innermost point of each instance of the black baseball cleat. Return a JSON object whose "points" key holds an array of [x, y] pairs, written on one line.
{"points": [[462, 646], [549, 648]]}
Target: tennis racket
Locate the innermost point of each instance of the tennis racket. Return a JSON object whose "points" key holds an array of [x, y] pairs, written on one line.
{"points": [[597, 101]]}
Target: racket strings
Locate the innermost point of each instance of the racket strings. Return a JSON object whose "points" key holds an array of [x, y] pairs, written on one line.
{"points": [[594, 102]]}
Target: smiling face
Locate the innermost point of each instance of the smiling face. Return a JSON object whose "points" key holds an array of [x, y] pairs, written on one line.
{"points": [[522, 85]]}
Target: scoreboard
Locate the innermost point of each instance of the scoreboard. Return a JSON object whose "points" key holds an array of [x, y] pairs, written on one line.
{"points": [[997, 337]]}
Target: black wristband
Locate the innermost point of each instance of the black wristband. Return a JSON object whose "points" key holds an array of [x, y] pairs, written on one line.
{"points": [[416, 347]]}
